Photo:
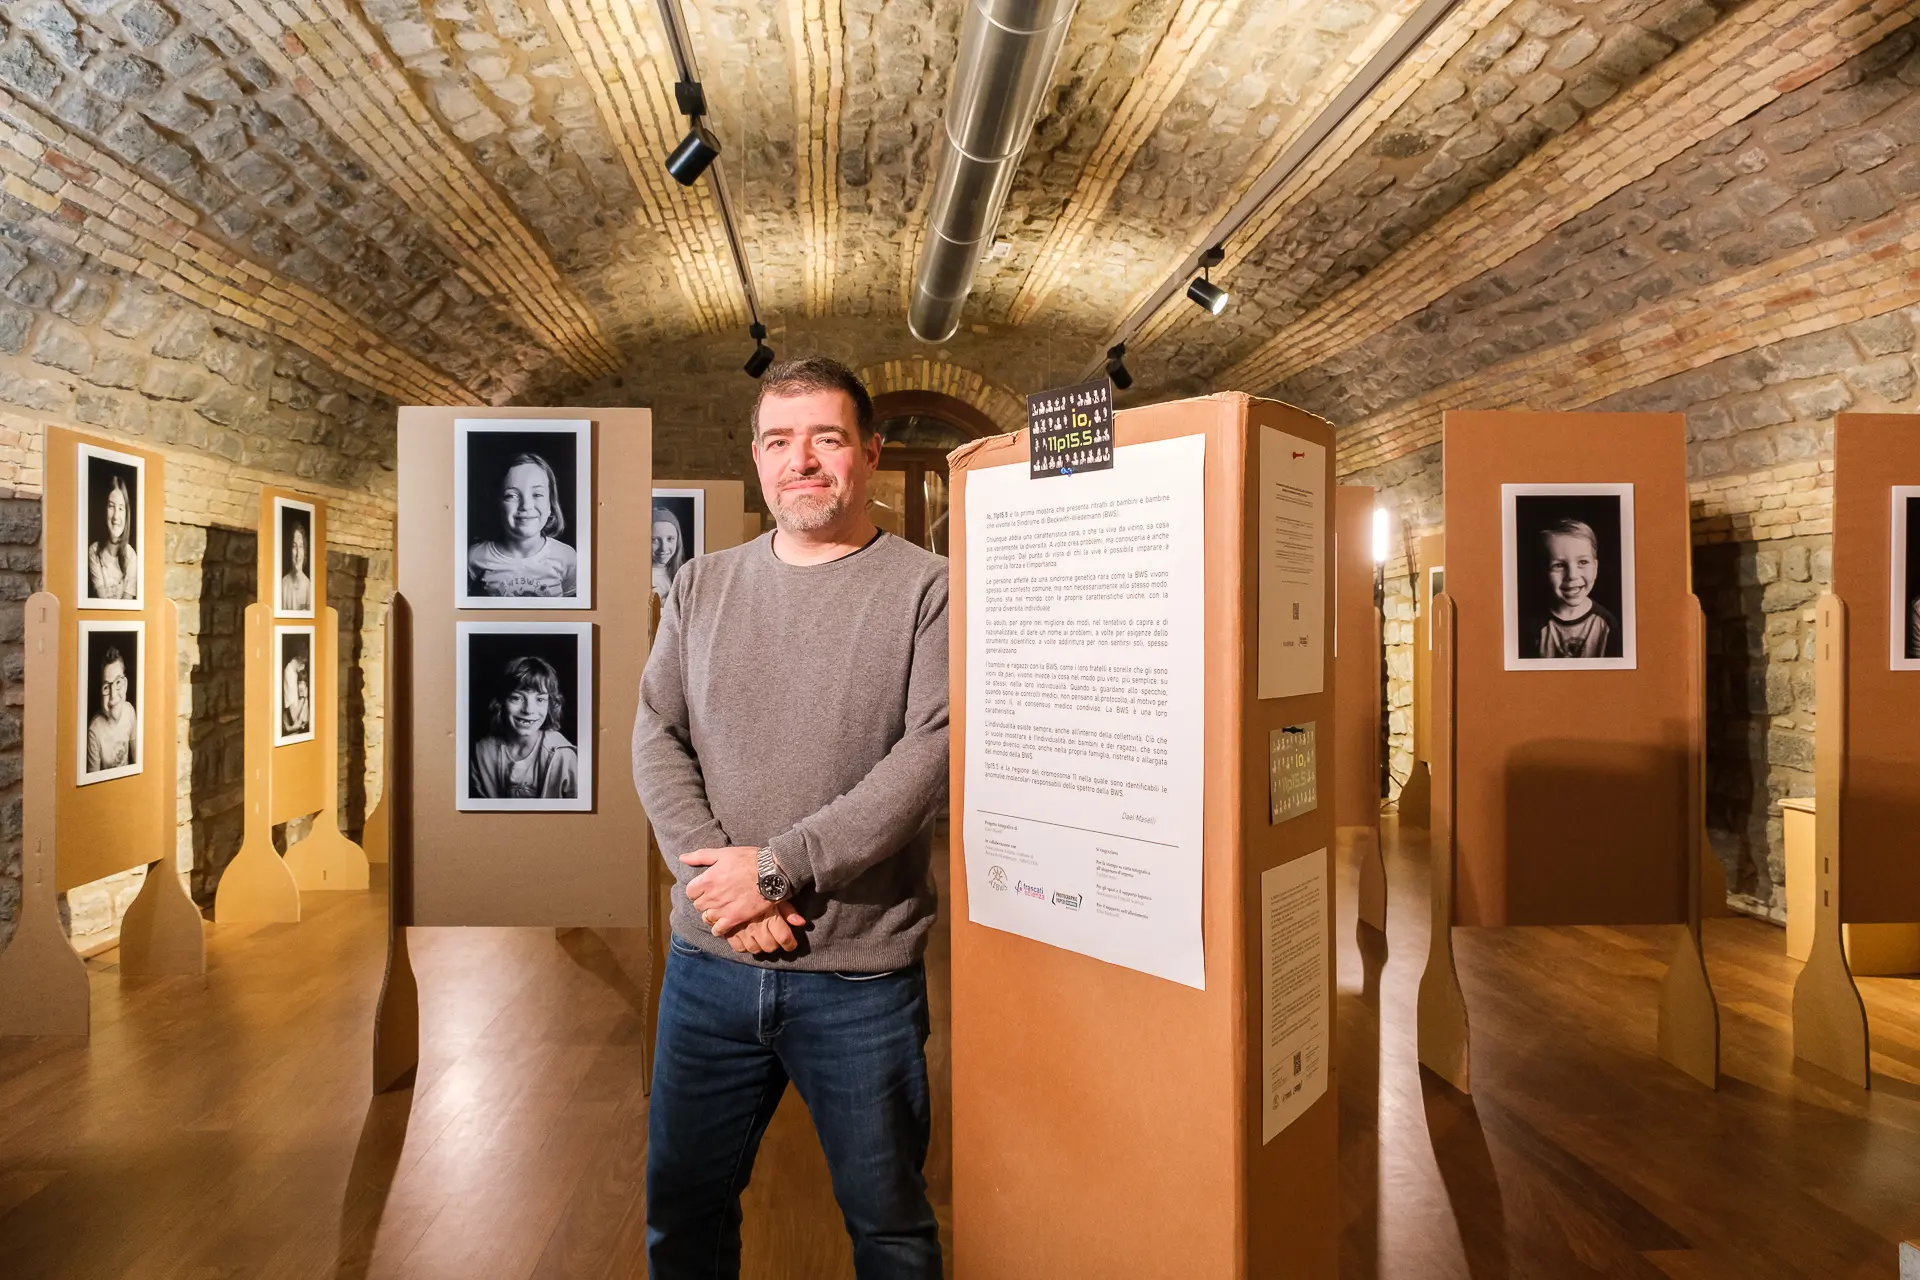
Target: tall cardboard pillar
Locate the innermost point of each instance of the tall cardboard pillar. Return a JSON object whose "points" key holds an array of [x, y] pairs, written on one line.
{"points": [[1107, 1122], [43, 982], [1356, 698]]}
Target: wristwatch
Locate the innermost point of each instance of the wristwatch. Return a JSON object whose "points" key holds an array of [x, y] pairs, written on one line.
{"points": [[774, 885]]}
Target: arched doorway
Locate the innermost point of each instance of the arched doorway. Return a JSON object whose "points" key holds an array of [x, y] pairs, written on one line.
{"points": [[918, 429]]}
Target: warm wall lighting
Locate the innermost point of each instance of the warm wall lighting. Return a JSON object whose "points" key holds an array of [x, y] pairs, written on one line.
{"points": [[1380, 529]]}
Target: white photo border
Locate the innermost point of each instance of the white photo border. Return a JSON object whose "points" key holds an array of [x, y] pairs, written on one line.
{"points": [[699, 496], [1510, 579], [81, 778], [464, 632], [83, 588], [280, 635], [581, 429], [1897, 659], [281, 503]]}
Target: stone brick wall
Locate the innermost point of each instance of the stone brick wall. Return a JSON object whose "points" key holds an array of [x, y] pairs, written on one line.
{"points": [[702, 401], [1757, 281], [85, 345]]}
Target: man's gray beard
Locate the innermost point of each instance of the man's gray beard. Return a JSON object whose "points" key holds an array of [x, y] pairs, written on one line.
{"points": [[809, 514]]}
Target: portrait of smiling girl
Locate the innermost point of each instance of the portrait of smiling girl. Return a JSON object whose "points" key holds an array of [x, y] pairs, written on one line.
{"points": [[522, 514], [527, 557]]}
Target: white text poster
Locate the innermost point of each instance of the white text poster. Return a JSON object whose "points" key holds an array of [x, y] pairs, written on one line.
{"points": [[1085, 604], [1292, 546], [1294, 948]]}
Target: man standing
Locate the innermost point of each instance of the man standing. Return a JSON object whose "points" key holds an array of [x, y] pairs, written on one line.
{"points": [[791, 751]]}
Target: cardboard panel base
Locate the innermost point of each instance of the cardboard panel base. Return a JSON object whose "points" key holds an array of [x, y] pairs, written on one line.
{"points": [[373, 837], [257, 887], [1370, 873], [396, 1016], [326, 859], [1442, 1032], [163, 934], [1416, 797], [1689, 1025], [1829, 1020], [43, 982]]}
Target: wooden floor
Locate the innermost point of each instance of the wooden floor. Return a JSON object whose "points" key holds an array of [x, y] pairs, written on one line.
{"points": [[221, 1128]]}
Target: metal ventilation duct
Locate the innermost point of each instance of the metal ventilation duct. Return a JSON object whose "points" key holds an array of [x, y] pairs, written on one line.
{"points": [[1005, 62]]}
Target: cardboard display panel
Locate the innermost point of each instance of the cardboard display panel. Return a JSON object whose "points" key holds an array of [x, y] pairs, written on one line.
{"points": [[1573, 784], [541, 868], [1356, 669], [1880, 797], [1106, 1121], [727, 525], [112, 825], [1356, 697], [43, 982], [306, 776]]}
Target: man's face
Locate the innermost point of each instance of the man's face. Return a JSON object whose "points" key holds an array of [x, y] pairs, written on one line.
{"points": [[813, 465], [299, 543], [1572, 566], [113, 687]]}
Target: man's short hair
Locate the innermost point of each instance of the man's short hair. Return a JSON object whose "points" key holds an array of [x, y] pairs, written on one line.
{"points": [[816, 373]]}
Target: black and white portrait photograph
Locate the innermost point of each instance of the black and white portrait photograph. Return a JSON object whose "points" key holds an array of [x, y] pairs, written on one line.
{"points": [[1904, 556], [524, 720], [679, 533], [113, 493], [1568, 569], [110, 687], [1436, 587], [293, 685], [294, 557], [522, 513]]}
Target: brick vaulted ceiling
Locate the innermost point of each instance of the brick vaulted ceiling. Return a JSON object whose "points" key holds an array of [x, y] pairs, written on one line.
{"points": [[457, 200]]}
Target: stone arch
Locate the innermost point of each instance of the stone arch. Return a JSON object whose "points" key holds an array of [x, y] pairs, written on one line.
{"points": [[1005, 410]]}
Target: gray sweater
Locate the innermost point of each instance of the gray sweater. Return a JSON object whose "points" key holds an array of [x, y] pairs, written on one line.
{"points": [[804, 708]]}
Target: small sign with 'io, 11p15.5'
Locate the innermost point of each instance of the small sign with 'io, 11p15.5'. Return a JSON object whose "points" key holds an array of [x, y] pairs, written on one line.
{"points": [[1070, 429]]}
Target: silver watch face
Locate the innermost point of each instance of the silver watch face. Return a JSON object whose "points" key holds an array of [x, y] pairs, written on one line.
{"points": [[774, 887]]}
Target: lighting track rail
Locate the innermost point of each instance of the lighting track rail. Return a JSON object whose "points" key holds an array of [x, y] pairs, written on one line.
{"points": [[700, 152], [1409, 36]]}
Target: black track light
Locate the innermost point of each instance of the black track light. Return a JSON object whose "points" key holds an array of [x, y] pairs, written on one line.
{"points": [[1202, 291], [1116, 367], [690, 159], [762, 358]]}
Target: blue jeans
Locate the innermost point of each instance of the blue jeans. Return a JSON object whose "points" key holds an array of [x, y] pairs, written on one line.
{"points": [[730, 1036]]}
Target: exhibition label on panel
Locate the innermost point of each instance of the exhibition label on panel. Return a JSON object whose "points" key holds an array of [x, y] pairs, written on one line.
{"points": [[1293, 565], [1085, 611]]}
